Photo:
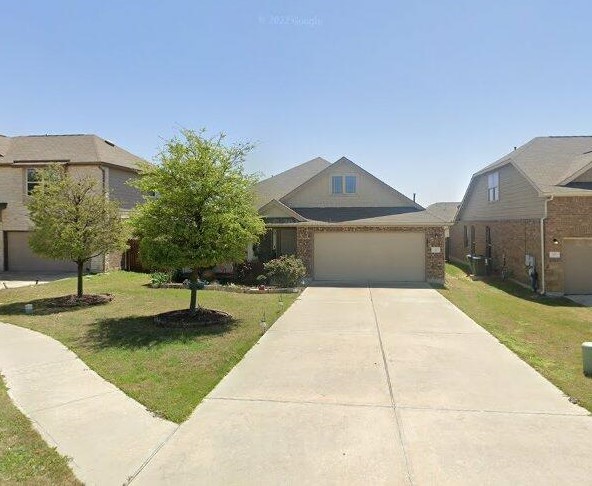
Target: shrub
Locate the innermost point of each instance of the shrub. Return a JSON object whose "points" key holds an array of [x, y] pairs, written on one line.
{"points": [[285, 271], [157, 279], [246, 273]]}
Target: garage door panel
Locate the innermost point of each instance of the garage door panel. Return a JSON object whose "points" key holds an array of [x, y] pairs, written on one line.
{"points": [[369, 256], [22, 259], [577, 255]]}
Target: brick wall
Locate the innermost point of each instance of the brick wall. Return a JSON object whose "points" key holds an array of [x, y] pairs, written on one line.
{"points": [[434, 237], [510, 241], [566, 217]]}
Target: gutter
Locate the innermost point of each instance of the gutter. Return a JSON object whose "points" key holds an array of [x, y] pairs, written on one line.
{"points": [[543, 283]]}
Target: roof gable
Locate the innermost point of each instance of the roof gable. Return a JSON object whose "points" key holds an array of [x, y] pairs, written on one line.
{"points": [[278, 186], [579, 167], [547, 161], [371, 191], [275, 209]]}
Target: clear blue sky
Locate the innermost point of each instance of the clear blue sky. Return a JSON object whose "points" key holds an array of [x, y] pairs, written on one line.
{"points": [[420, 93]]}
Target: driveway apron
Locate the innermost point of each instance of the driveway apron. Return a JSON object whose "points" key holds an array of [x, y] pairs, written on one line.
{"points": [[378, 385]]}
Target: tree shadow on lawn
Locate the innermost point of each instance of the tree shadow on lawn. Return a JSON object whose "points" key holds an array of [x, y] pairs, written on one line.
{"points": [[42, 307], [141, 332]]}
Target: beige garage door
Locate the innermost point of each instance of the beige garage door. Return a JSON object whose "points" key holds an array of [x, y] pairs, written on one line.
{"points": [[22, 259], [378, 257], [577, 267]]}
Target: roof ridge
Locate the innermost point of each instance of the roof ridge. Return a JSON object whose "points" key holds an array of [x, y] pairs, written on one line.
{"points": [[56, 135]]}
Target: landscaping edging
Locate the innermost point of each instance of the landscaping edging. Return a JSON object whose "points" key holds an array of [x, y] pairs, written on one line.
{"points": [[235, 289]]}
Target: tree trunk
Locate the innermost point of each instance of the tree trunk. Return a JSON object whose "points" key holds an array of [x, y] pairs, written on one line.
{"points": [[193, 286], [80, 272]]}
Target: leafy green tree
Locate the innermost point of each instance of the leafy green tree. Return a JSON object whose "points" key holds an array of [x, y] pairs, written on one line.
{"points": [[199, 209], [73, 219]]}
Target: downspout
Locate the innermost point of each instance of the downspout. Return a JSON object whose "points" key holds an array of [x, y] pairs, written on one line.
{"points": [[543, 283], [104, 181], [106, 194]]}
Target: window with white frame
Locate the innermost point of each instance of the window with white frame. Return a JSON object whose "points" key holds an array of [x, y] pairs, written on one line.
{"points": [[32, 180], [344, 184], [493, 187], [350, 184], [337, 185]]}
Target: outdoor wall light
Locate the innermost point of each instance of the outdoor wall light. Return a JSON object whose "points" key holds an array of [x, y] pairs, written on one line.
{"points": [[555, 241]]}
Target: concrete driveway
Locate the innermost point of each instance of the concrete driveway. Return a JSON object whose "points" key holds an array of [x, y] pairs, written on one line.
{"points": [[585, 300], [11, 280], [378, 386]]}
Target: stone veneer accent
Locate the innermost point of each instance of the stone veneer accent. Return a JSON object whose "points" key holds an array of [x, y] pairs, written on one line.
{"points": [[434, 237]]}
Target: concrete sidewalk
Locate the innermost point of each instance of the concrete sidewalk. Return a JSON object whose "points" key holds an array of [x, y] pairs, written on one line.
{"points": [[378, 386], [13, 280], [107, 435]]}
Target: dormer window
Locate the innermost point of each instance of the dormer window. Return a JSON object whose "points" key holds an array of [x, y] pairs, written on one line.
{"points": [[337, 185], [493, 187], [344, 184], [350, 184]]}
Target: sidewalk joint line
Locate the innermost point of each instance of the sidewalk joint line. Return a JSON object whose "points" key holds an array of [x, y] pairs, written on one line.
{"points": [[151, 456], [499, 412], [392, 395], [299, 402], [81, 399]]}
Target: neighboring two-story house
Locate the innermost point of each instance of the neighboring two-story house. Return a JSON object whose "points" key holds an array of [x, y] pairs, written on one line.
{"points": [[533, 207], [347, 225], [86, 155]]}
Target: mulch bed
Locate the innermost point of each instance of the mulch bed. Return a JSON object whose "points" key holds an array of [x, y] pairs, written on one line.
{"points": [[84, 301], [184, 318]]}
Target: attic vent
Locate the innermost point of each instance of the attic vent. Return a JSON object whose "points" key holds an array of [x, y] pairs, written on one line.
{"points": [[109, 142]]}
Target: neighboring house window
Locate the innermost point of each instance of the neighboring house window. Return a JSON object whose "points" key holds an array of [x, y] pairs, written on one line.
{"points": [[350, 184], [337, 185], [32, 180], [466, 237], [493, 187], [488, 244]]}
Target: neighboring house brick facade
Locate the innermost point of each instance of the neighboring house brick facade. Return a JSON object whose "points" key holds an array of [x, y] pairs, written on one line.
{"points": [[83, 156], [347, 225], [542, 186]]}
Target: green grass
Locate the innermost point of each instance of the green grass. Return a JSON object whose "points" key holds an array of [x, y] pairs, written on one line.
{"points": [[167, 370], [545, 332], [24, 456]]}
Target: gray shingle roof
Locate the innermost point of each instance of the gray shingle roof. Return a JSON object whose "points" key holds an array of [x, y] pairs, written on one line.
{"points": [[341, 214], [444, 210], [71, 148], [278, 186], [548, 161], [413, 218]]}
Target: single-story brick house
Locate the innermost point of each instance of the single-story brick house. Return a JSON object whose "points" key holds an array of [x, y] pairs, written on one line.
{"points": [[347, 225], [85, 155], [533, 207]]}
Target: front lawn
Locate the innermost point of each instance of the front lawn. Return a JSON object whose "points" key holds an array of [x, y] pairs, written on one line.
{"points": [[24, 457], [545, 332], [167, 370]]}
